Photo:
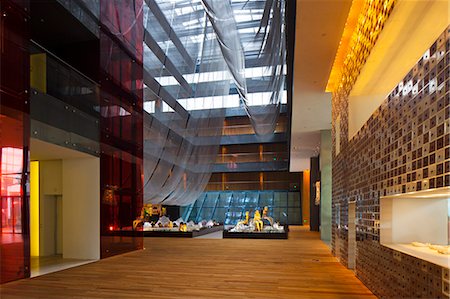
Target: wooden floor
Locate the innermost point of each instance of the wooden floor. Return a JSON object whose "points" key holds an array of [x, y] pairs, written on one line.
{"points": [[47, 264], [300, 267]]}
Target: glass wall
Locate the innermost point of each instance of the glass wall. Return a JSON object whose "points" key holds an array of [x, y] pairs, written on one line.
{"points": [[229, 207], [14, 141], [121, 124]]}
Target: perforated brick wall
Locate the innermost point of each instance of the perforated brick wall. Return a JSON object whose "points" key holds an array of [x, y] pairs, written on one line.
{"points": [[403, 147]]}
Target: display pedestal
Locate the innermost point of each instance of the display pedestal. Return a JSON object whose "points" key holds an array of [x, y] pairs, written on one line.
{"points": [[256, 235], [178, 234]]}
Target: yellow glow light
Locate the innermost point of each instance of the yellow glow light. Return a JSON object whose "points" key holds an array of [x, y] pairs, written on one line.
{"points": [[34, 208], [364, 23], [343, 50]]}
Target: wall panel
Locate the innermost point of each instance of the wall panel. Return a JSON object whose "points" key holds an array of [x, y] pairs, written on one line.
{"points": [[121, 124], [14, 140], [403, 147]]}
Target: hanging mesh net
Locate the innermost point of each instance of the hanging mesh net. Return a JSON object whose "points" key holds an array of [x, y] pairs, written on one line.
{"points": [[201, 57]]}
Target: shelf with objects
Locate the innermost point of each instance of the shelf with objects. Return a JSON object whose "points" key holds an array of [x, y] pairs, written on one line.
{"points": [[403, 229], [154, 222], [258, 227]]}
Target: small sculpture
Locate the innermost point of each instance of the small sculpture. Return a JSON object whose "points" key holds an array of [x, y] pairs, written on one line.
{"points": [[257, 221], [163, 221], [210, 223], [266, 217], [178, 222], [419, 244], [183, 227], [245, 221]]}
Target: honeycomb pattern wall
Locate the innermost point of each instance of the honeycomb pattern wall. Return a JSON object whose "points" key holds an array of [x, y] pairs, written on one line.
{"points": [[403, 147]]}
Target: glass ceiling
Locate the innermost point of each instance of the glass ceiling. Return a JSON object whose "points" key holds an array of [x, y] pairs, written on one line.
{"points": [[178, 30]]}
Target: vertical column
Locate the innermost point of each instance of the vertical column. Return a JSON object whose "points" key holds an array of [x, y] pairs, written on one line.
{"points": [[14, 140], [121, 124], [325, 186], [305, 196], [314, 207]]}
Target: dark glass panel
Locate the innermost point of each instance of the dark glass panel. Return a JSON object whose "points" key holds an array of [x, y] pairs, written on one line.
{"points": [[121, 124], [14, 141]]}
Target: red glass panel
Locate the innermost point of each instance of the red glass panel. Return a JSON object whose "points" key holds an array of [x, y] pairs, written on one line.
{"points": [[121, 124], [14, 141]]}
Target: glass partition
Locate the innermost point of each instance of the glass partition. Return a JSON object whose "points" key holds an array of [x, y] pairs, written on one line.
{"points": [[14, 141], [229, 207]]}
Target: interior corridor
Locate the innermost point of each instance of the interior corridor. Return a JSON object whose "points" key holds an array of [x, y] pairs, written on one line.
{"points": [[300, 267]]}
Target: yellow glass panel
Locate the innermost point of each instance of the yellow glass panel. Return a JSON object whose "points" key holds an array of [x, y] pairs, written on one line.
{"points": [[34, 208], [38, 72]]}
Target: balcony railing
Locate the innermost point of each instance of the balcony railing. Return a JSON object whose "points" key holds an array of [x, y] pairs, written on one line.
{"points": [[65, 106], [250, 185], [248, 129], [232, 159]]}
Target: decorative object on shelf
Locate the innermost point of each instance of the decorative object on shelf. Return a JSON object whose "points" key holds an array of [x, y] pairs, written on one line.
{"points": [[257, 221], [420, 244], [266, 215], [183, 227], [317, 199], [437, 247], [245, 221], [444, 250], [163, 221], [257, 224], [165, 225]]}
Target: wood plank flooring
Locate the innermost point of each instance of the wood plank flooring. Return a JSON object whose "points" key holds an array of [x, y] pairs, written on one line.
{"points": [[48, 264], [300, 267]]}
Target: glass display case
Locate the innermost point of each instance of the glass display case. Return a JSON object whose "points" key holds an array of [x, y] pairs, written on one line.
{"points": [[418, 224], [257, 224], [155, 222]]}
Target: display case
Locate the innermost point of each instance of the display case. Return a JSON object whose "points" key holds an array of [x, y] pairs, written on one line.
{"points": [[418, 224], [257, 225], [179, 228], [154, 221]]}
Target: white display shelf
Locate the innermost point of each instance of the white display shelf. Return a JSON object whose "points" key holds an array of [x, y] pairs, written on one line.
{"points": [[423, 253], [422, 216]]}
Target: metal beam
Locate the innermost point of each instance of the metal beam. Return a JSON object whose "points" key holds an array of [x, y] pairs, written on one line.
{"points": [[165, 25], [164, 95], [166, 61]]}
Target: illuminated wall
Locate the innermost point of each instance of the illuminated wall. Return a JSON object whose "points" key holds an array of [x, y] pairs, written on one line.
{"points": [[403, 147], [34, 208]]}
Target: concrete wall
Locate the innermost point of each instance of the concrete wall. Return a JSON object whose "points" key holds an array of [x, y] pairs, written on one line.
{"points": [[81, 208], [325, 186]]}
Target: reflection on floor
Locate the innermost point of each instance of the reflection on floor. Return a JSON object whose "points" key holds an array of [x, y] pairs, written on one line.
{"points": [[41, 265], [214, 235]]}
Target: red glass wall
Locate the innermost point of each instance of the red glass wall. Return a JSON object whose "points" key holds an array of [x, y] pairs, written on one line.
{"points": [[121, 124], [14, 140]]}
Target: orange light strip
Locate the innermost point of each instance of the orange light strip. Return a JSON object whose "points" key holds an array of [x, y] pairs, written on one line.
{"points": [[364, 23], [343, 49]]}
